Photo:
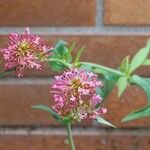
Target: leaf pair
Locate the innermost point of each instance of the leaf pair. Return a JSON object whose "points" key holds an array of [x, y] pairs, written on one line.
{"points": [[140, 58], [127, 68], [66, 120]]}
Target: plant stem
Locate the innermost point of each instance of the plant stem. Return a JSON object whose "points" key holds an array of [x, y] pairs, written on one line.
{"points": [[6, 72], [3, 74], [61, 61], [70, 139], [102, 68]]}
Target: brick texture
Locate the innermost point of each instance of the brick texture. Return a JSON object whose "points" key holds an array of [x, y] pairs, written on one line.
{"points": [[127, 12], [132, 99], [15, 108], [95, 142], [47, 13], [105, 50], [24, 128]]}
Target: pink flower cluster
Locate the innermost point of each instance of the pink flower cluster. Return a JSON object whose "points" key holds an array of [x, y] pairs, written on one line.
{"points": [[75, 95], [24, 51]]}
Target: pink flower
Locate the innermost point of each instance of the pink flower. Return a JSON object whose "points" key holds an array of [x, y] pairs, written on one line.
{"points": [[24, 51], [75, 95]]}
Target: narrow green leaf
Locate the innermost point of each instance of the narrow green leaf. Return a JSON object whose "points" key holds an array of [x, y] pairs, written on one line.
{"points": [[125, 66], [122, 83], [77, 58], [47, 109], [103, 121], [147, 62], [139, 58], [142, 112], [72, 47], [143, 83]]}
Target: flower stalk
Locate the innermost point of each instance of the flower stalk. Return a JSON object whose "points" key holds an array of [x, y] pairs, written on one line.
{"points": [[70, 139], [117, 72]]}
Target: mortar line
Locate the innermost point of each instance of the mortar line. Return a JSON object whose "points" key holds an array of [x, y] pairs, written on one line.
{"points": [[99, 13], [98, 29], [109, 30], [26, 81], [76, 131], [30, 81]]}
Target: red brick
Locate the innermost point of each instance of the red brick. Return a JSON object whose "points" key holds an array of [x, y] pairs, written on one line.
{"points": [[89, 142], [127, 12], [107, 50], [47, 13], [15, 108], [133, 99]]}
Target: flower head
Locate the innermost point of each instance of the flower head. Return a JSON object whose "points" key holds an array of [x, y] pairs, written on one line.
{"points": [[24, 51], [75, 95]]}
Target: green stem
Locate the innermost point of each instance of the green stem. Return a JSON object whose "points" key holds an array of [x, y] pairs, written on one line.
{"points": [[6, 72], [3, 74], [70, 139], [61, 61], [102, 67]]}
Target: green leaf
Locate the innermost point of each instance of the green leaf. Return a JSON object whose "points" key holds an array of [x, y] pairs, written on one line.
{"points": [[72, 47], [103, 121], [122, 83], [47, 109], [143, 83], [142, 112], [77, 58], [125, 66], [55, 66], [146, 62], [61, 48], [139, 58], [60, 52]]}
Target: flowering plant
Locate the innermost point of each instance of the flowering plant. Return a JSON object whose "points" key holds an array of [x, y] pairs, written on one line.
{"points": [[80, 87]]}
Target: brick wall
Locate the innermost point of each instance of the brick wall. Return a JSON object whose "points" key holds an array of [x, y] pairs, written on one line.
{"points": [[110, 30]]}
